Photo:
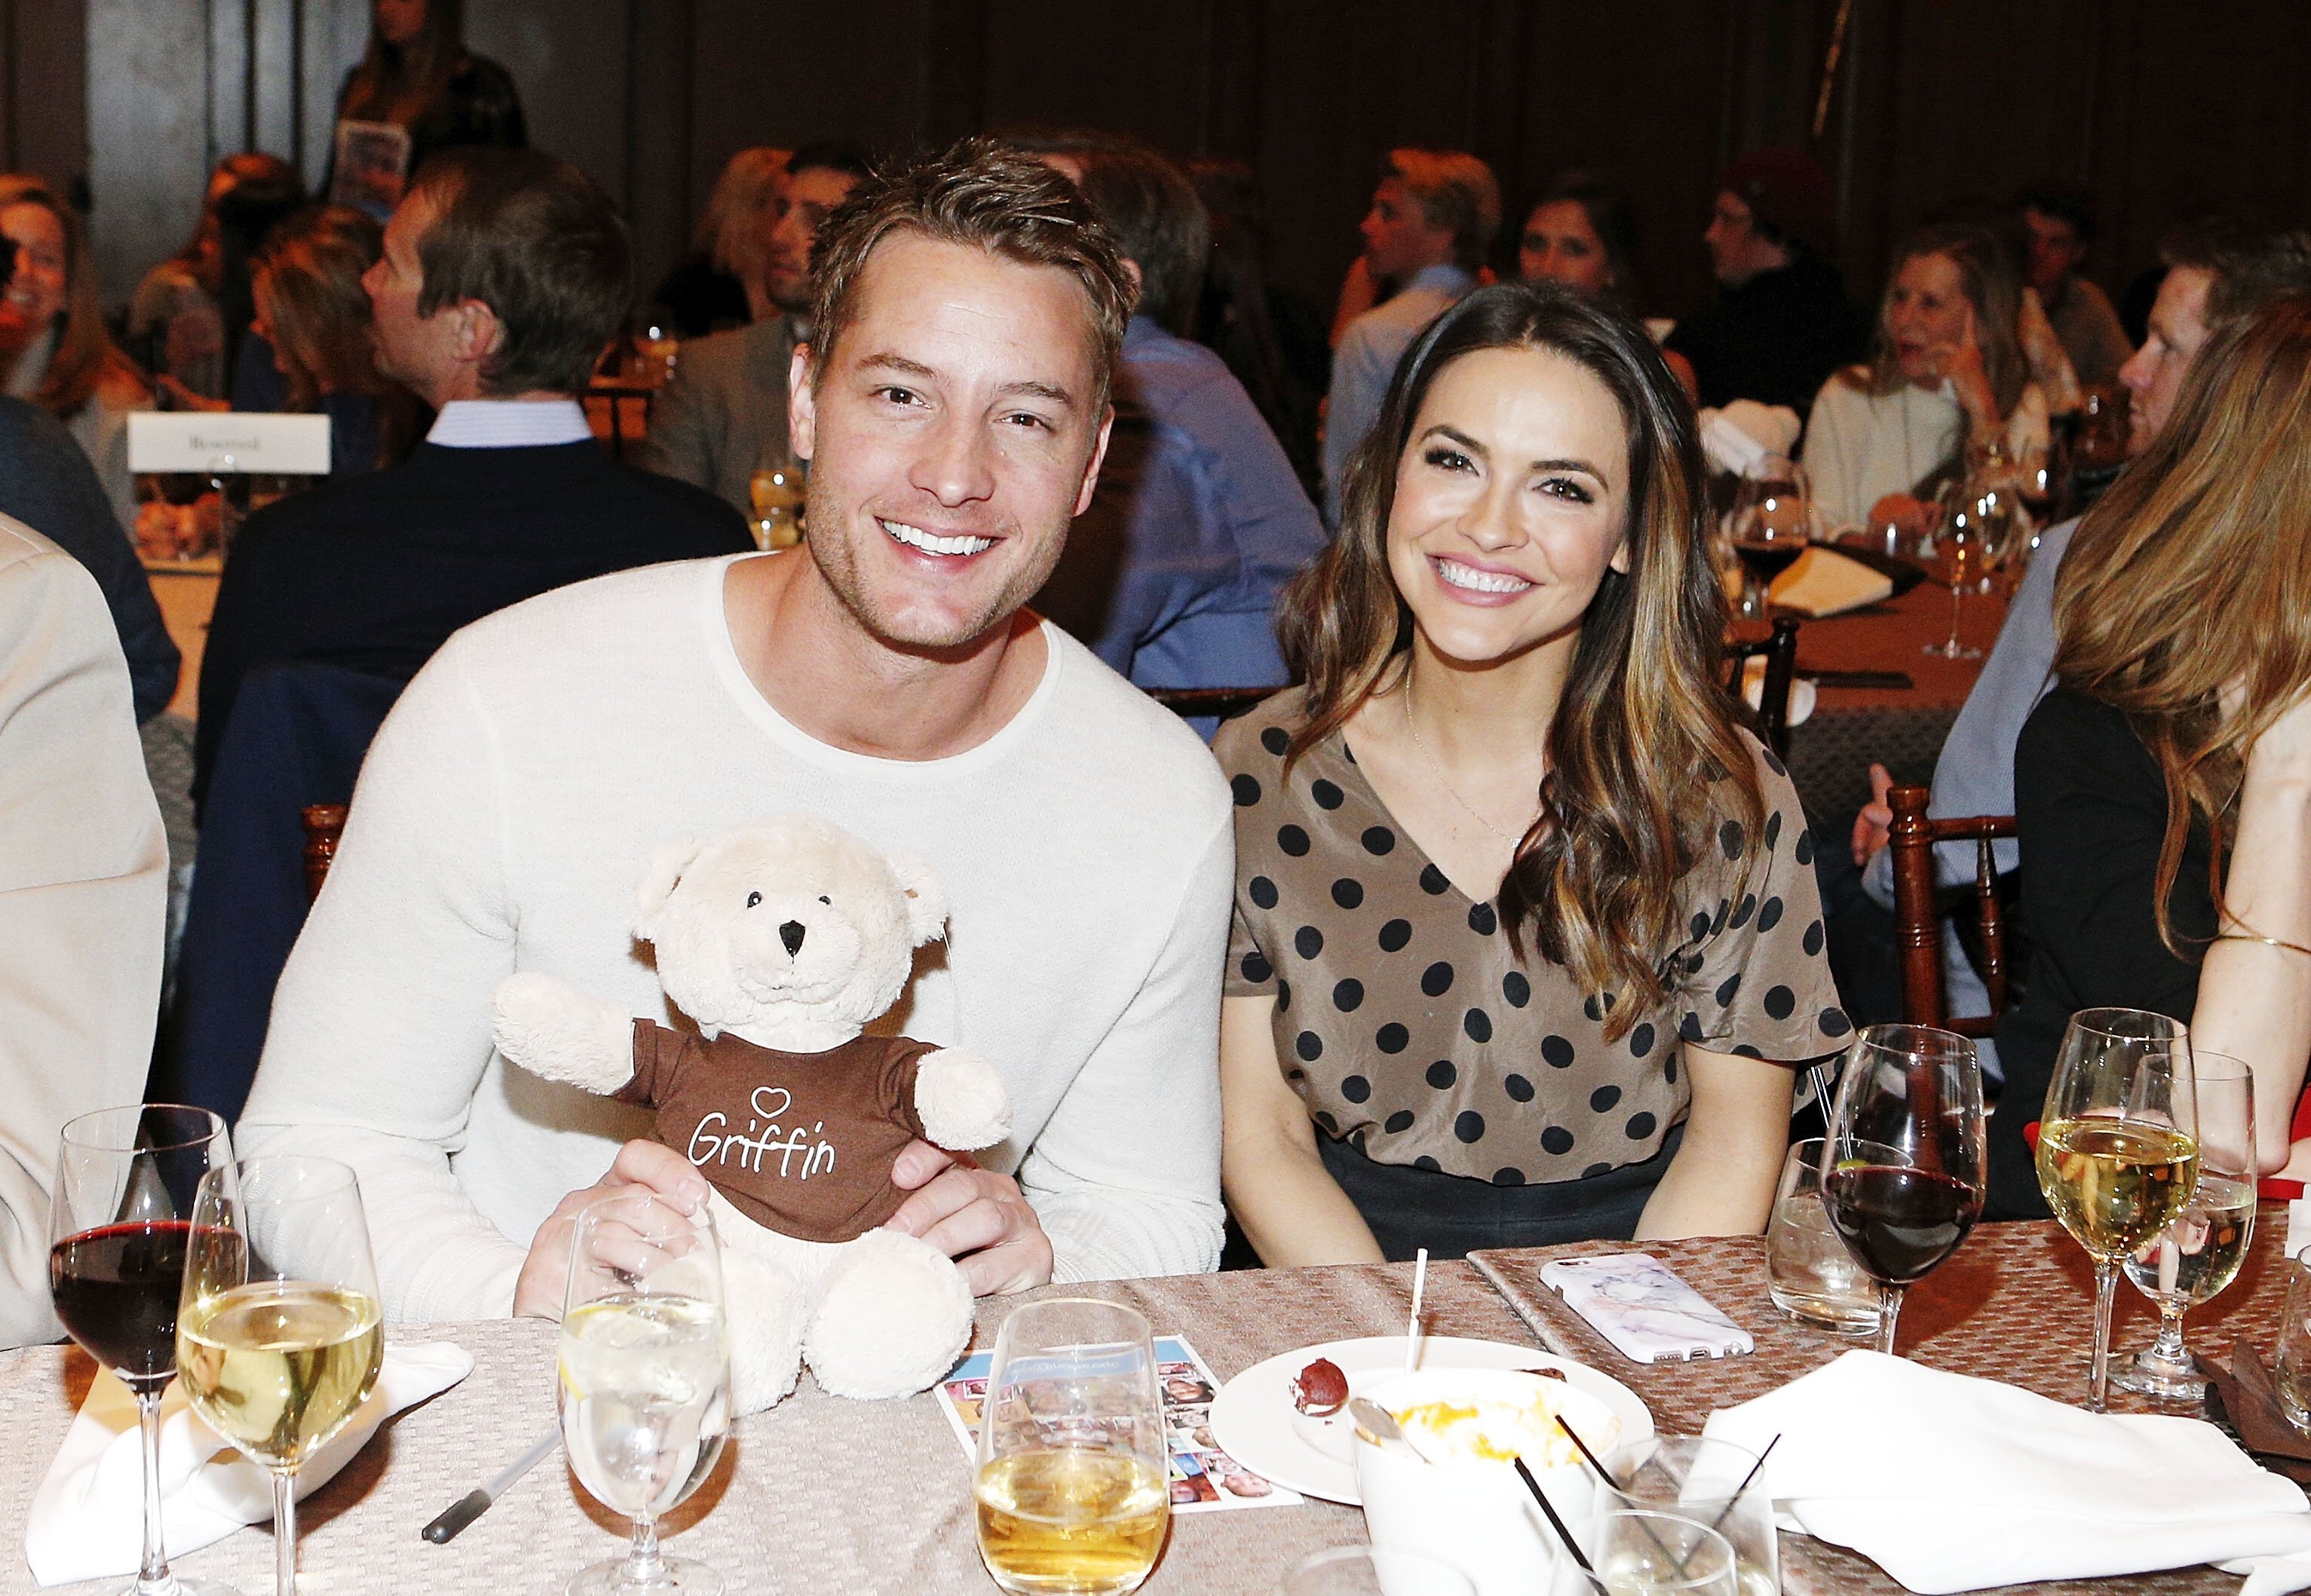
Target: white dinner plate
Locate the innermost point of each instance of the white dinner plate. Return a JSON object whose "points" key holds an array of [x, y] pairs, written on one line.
{"points": [[1255, 1422]]}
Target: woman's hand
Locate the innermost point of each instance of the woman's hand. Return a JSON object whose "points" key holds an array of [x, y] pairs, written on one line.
{"points": [[1960, 364]]}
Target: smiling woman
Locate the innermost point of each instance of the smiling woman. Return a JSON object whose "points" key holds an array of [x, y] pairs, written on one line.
{"points": [[1522, 919]]}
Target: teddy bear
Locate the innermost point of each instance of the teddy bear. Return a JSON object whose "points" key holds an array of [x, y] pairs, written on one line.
{"points": [[782, 939]]}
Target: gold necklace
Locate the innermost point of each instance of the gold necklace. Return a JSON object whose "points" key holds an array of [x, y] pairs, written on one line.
{"points": [[1437, 769]]}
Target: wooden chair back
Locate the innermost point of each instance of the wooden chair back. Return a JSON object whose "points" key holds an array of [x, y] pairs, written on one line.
{"points": [[1918, 920], [323, 825], [1780, 653]]}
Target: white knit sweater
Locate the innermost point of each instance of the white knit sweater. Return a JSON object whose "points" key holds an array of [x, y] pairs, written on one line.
{"points": [[502, 819], [1861, 446]]}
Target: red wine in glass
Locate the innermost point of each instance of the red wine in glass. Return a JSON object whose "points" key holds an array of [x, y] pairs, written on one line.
{"points": [[1905, 1164], [1899, 1222], [119, 1236], [1768, 558], [116, 1289]]}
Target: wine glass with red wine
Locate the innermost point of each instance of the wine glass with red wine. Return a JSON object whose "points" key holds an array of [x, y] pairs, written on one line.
{"points": [[119, 1227], [1773, 521], [1906, 1160]]}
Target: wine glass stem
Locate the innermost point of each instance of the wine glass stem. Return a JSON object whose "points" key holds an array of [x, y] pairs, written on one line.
{"points": [[152, 1573], [1958, 598], [2168, 1348], [643, 1567], [2106, 1295], [1889, 1310], [284, 1532]]}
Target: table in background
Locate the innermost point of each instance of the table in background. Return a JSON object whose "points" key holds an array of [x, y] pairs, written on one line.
{"points": [[1901, 729], [817, 1497], [2016, 1303]]}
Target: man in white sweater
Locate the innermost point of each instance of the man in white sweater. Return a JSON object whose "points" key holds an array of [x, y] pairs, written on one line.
{"points": [[84, 892], [954, 411]]}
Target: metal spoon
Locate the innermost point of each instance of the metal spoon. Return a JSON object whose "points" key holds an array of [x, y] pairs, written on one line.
{"points": [[1378, 1425]]}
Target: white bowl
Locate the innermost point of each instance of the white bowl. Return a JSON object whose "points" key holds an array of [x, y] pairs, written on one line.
{"points": [[1478, 1515]]}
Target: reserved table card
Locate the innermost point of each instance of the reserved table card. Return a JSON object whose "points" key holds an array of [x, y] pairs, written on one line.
{"points": [[215, 443]]}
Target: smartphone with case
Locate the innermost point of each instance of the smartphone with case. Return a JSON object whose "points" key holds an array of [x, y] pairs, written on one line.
{"points": [[1637, 1303]]}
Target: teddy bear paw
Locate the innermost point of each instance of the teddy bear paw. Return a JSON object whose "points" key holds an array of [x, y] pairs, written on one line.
{"points": [[959, 1098], [552, 1030]]}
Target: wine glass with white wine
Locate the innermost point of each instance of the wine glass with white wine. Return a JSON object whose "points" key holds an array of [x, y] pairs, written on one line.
{"points": [[1958, 556], [278, 1335], [2116, 1158], [645, 1378], [1072, 1463], [2197, 1256]]}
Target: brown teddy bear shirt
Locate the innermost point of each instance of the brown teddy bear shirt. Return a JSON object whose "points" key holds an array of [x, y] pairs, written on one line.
{"points": [[800, 1143]]}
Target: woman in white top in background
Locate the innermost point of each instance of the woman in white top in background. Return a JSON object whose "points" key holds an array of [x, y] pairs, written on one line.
{"points": [[1949, 378]]}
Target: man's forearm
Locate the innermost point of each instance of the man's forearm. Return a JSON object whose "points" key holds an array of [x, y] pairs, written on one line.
{"points": [[437, 1258], [1114, 1234]]}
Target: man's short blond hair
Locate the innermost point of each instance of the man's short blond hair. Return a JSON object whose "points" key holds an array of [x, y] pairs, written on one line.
{"points": [[1456, 191], [990, 195]]}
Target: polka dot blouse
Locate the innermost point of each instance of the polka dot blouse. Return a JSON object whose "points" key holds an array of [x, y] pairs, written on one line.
{"points": [[1405, 1022]]}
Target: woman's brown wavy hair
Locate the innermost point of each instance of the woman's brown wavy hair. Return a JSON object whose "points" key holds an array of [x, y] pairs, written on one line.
{"points": [[1644, 729], [2190, 579]]}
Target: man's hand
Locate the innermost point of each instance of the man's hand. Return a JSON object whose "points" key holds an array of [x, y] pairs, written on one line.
{"points": [[1875, 824], [545, 1273], [974, 1216]]}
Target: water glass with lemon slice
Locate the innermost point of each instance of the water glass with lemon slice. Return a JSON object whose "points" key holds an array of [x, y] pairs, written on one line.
{"points": [[645, 1378]]}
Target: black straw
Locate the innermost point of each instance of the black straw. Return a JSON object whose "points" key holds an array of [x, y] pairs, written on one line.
{"points": [[1743, 1488], [1554, 1523], [1608, 1479], [1575, 1436]]}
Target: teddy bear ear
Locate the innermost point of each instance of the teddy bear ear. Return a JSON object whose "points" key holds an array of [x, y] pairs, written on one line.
{"points": [[661, 873], [926, 898]]}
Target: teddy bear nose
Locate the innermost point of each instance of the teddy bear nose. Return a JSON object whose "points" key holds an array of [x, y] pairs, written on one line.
{"points": [[792, 932]]}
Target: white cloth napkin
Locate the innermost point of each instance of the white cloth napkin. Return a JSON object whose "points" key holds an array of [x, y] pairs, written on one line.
{"points": [[1822, 582], [1740, 437], [88, 1517], [1803, 692], [1950, 1483]]}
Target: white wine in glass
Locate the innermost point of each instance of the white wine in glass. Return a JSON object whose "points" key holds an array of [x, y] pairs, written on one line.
{"points": [[645, 1378], [1073, 1495], [2202, 1251], [279, 1336], [2117, 1161]]}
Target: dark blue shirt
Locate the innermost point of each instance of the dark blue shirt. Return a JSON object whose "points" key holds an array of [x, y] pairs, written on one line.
{"points": [[47, 483], [1171, 575]]}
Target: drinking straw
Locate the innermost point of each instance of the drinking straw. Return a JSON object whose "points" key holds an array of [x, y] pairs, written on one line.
{"points": [[1554, 1523], [1412, 1331]]}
